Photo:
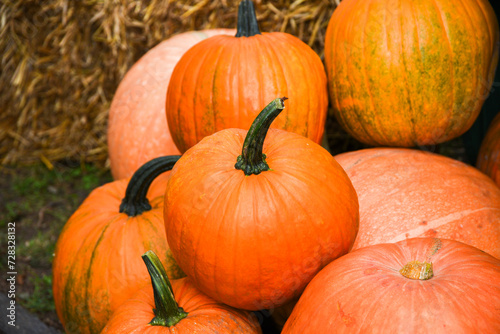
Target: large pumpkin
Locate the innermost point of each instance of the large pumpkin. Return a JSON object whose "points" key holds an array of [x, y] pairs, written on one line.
{"points": [[488, 158], [421, 285], [405, 193], [251, 221], [408, 73], [176, 306], [97, 263], [223, 81], [137, 125]]}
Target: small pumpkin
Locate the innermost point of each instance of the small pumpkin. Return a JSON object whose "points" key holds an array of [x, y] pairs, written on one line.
{"points": [[223, 81], [418, 285], [488, 158], [406, 193], [410, 73], [97, 263], [176, 306], [252, 216], [137, 125]]}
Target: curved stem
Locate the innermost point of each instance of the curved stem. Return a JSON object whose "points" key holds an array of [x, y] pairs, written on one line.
{"points": [[135, 201], [252, 160], [247, 21], [167, 311]]}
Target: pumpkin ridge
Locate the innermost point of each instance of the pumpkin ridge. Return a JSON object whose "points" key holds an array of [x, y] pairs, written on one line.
{"points": [[236, 186], [450, 119], [490, 32], [372, 118], [213, 96], [494, 47], [90, 276], [412, 104], [202, 129], [270, 49], [306, 57], [69, 310], [452, 123], [220, 192]]}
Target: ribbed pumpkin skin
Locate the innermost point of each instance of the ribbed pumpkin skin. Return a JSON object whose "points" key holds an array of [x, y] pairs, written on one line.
{"points": [[408, 73], [363, 292], [97, 263], [223, 81], [405, 193], [205, 315], [253, 242], [137, 126], [488, 158]]}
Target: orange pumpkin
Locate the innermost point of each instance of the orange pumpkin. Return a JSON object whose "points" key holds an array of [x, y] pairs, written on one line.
{"points": [[408, 73], [421, 285], [97, 263], [176, 307], [223, 81], [405, 193], [488, 158], [137, 125], [251, 219]]}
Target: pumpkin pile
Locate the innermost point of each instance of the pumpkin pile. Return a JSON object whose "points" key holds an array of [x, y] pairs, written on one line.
{"points": [[257, 215]]}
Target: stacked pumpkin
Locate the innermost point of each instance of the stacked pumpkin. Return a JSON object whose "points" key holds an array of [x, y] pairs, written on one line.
{"points": [[257, 215]]}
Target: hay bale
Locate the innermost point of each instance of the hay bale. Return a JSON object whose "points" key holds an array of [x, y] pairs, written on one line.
{"points": [[63, 60]]}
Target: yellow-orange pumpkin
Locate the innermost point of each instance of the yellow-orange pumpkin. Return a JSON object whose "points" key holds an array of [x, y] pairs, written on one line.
{"points": [[408, 73], [223, 81]]}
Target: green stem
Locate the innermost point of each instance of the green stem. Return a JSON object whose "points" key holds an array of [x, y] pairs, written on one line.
{"points": [[247, 21], [135, 201], [252, 160], [167, 311]]}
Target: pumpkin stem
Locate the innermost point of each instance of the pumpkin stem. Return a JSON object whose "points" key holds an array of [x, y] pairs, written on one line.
{"points": [[417, 270], [247, 21], [167, 311], [252, 160], [135, 201]]}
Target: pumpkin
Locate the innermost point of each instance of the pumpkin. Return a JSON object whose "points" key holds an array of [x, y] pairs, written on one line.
{"points": [[488, 158], [97, 263], [405, 193], [409, 73], [223, 81], [252, 216], [176, 306], [419, 285], [137, 125]]}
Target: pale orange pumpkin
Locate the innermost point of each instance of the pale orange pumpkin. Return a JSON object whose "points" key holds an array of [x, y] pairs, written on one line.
{"points": [[419, 285], [405, 193], [137, 125]]}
